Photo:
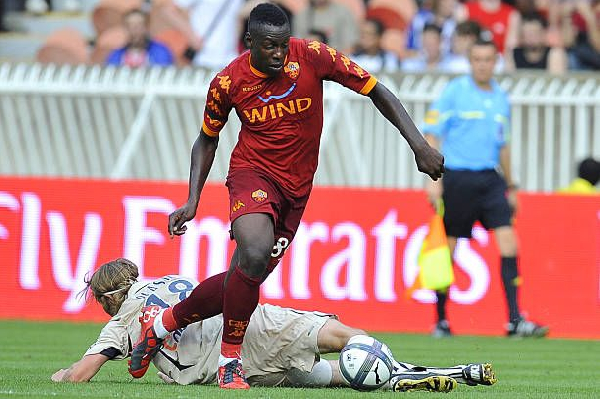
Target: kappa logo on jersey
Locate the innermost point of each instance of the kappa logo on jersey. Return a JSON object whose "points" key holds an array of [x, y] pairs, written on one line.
{"points": [[224, 82], [236, 207], [150, 314], [259, 195], [359, 71], [292, 69], [316, 46], [332, 52], [346, 62]]}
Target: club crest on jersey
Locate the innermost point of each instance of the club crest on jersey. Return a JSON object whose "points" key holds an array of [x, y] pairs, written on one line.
{"points": [[292, 69], [259, 196]]}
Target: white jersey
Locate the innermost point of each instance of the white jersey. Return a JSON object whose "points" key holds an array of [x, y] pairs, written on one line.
{"points": [[277, 339]]}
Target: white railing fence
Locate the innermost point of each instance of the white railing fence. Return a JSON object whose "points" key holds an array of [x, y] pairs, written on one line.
{"points": [[140, 124]]}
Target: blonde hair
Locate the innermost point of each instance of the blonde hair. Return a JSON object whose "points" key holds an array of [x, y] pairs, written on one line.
{"points": [[111, 282]]}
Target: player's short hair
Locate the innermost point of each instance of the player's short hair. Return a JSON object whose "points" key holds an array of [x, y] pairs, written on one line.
{"points": [[485, 43], [589, 169], [468, 28], [431, 27], [534, 17], [110, 283], [266, 14], [379, 26]]}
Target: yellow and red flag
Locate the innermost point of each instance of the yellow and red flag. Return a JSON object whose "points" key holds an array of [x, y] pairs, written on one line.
{"points": [[435, 260]]}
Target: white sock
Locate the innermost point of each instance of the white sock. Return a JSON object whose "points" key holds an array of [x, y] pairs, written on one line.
{"points": [[161, 331], [320, 376]]}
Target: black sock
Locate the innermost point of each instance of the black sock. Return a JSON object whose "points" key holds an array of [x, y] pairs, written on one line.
{"points": [[510, 277], [442, 296]]}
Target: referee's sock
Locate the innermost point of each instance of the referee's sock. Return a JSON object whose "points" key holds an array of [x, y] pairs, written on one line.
{"points": [[442, 297], [510, 279]]}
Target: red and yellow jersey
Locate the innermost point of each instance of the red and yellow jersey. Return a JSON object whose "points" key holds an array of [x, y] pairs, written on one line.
{"points": [[282, 117]]}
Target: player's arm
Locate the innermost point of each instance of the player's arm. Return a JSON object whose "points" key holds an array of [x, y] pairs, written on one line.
{"points": [[216, 112], [203, 156], [428, 159], [81, 371]]}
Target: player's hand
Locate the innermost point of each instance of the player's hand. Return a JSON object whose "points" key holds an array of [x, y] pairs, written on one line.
{"points": [[59, 375], [166, 379], [178, 219], [430, 162]]}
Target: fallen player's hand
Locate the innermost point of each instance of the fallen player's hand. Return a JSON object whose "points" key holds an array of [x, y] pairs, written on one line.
{"points": [[166, 379], [59, 375]]}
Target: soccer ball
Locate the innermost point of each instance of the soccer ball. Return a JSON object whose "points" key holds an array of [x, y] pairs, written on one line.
{"points": [[365, 363]]}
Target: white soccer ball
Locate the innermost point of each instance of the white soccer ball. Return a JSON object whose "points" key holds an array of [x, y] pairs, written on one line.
{"points": [[366, 363]]}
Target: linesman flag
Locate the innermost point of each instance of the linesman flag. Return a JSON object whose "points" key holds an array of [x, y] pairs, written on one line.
{"points": [[435, 260]]}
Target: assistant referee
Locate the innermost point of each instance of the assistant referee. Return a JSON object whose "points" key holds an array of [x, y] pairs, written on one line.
{"points": [[470, 121]]}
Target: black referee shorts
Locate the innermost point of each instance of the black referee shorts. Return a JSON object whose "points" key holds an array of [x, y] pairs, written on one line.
{"points": [[471, 196]]}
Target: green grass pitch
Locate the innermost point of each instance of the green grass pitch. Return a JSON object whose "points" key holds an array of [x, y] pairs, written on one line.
{"points": [[31, 352]]}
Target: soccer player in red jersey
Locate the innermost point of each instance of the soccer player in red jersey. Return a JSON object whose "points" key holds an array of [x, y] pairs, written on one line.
{"points": [[276, 89]]}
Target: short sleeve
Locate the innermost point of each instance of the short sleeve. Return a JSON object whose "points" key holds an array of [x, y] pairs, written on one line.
{"points": [[440, 112], [114, 335], [218, 104], [336, 66]]}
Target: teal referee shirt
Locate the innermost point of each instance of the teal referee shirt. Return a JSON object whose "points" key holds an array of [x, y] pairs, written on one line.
{"points": [[471, 124]]}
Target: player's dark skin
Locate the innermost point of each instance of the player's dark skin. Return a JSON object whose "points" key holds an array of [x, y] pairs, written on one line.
{"points": [[254, 233]]}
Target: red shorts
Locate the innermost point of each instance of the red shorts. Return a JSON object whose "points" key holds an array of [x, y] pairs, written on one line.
{"points": [[251, 191]]}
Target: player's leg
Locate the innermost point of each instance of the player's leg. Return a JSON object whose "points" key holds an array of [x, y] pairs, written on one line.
{"points": [[497, 215], [254, 235], [460, 213], [334, 335], [205, 300]]}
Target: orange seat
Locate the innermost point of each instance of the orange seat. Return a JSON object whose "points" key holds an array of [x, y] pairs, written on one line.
{"points": [[388, 17], [65, 46], [109, 40], [109, 13], [176, 42], [406, 8]]}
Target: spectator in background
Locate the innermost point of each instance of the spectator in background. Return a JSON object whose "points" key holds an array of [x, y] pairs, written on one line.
{"points": [[335, 20], [588, 175], [370, 55], [534, 51], [500, 20], [469, 122], [210, 27], [581, 33], [430, 56], [140, 49], [442, 13], [465, 35]]}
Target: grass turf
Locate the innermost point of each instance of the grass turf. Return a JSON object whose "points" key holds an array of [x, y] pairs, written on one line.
{"points": [[31, 352]]}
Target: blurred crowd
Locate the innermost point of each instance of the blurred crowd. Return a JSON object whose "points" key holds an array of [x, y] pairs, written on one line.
{"points": [[381, 35]]}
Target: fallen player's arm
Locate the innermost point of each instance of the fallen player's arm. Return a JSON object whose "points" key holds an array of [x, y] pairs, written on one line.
{"points": [[81, 371]]}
